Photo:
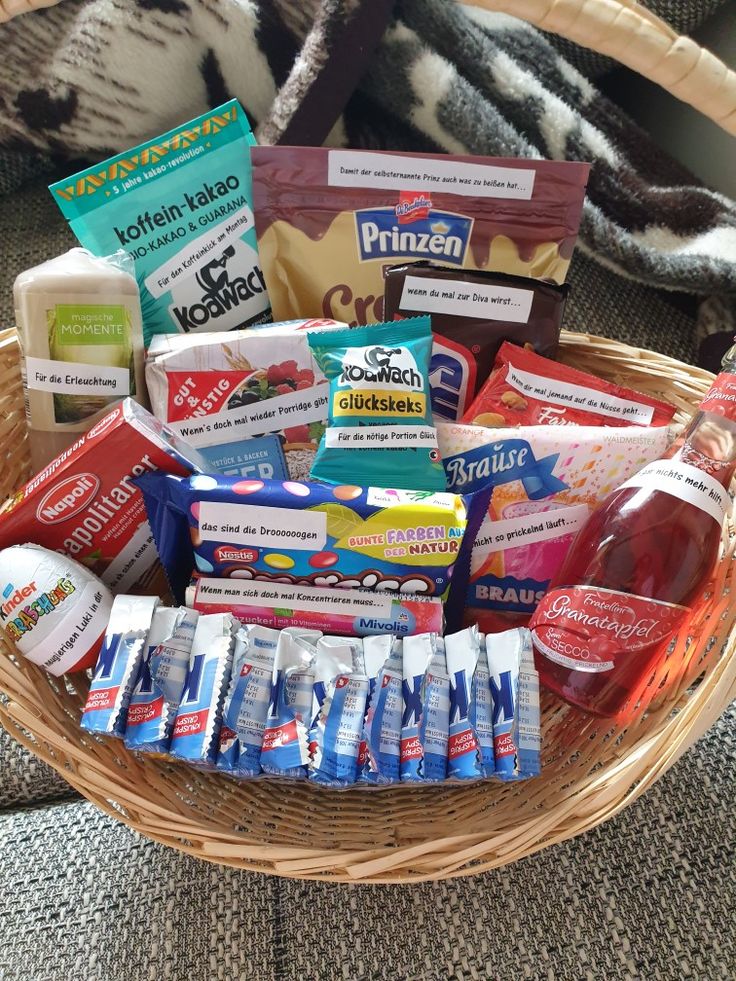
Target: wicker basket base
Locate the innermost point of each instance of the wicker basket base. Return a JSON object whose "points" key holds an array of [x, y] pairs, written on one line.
{"points": [[592, 768]]}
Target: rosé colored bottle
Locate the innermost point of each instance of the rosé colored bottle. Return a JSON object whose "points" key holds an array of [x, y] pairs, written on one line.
{"points": [[638, 564]]}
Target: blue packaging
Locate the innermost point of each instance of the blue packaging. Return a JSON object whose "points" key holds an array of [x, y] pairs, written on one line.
{"points": [[426, 718], [199, 716], [507, 652], [380, 750], [304, 533], [434, 723], [246, 704], [259, 456], [462, 650], [181, 206], [379, 414], [150, 715], [285, 749], [340, 690], [106, 708], [481, 713]]}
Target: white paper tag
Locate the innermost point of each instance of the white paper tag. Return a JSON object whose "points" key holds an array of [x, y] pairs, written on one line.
{"points": [[529, 529], [189, 260], [578, 397], [460, 299], [360, 437], [686, 483], [75, 378], [131, 562], [379, 497], [308, 599], [356, 168], [279, 412], [262, 527]]}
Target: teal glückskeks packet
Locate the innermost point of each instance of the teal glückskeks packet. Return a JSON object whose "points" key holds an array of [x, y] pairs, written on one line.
{"points": [[379, 429], [181, 206]]}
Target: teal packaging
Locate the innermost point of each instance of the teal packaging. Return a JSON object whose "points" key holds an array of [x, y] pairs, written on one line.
{"points": [[379, 430], [181, 206]]}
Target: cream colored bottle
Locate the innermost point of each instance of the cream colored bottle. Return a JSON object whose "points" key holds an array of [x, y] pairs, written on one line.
{"points": [[80, 332]]}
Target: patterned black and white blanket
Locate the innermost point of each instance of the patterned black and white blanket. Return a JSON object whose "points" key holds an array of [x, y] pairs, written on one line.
{"points": [[93, 76]]}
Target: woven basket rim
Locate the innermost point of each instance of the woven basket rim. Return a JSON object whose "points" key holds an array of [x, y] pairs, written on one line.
{"points": [[423, 833]]}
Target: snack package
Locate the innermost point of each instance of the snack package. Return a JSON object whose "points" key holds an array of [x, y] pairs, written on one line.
{"points": [[340, 692], [52, 609], [246, 704], [117, 667], [253, 402], [379, 418], [161, 678], [180, 205], [526, 389], [329, 221], [379, 756], [358, 612], [480, 713], [473, 313], [462, 651], [304, 533], [516, 721], [285, 748], [532, 489], [85, 505], [195, 736], [426, 717]]}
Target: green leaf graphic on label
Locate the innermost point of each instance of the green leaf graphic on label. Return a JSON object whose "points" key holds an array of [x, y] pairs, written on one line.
{"points": [[341, 521]]}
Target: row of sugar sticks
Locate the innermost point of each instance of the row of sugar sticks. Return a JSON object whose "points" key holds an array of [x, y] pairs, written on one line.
{"points": [[296, 703]]}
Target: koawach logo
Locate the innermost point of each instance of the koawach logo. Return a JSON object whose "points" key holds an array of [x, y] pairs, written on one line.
{"points": [[391, 367], [383, 233], [220, 292]]}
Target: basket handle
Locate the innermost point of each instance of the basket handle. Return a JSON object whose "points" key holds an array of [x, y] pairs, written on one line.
{"points": [[634, 36]]}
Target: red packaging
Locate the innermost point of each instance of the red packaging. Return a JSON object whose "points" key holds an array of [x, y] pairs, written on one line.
{"points": [[526, 389], [84, 505]]}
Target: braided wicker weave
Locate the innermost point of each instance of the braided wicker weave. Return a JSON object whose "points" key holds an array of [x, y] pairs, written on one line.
{"points": [[592, 768]]}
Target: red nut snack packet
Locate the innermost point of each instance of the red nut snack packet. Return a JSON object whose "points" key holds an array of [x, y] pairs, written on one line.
{"points": [[526, 389]]}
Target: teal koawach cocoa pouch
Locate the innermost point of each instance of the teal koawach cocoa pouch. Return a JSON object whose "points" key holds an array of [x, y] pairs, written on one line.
{"points": [[181, 206]]}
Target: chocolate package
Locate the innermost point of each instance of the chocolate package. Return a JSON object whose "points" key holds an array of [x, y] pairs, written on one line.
{"points": [[473, 312], [305, 534], [329, 221]]}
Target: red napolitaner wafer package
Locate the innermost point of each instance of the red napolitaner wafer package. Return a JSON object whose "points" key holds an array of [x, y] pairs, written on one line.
{"points": [[526, 389], [329, 221]]}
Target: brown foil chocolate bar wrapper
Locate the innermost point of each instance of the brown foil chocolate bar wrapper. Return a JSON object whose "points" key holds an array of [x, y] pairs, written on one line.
{"points": [[329, 221], [473, 313]]}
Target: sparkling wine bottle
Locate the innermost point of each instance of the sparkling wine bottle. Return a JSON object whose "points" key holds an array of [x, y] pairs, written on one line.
{"points": [[638, 563]]}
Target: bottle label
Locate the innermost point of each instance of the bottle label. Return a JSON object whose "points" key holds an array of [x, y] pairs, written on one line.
{"points": [[585, 628], [686, 483], [721, 396]]}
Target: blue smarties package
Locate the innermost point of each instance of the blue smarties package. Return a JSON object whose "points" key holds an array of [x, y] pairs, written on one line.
{"points": [[304, 533], [181, 206]]}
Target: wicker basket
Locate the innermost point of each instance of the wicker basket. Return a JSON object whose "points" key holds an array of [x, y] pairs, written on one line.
{"points": [[592, 769]]}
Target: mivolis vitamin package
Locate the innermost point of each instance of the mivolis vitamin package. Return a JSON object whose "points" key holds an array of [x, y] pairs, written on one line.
{"points": [[379, 425], [329, 221], [181, 206]]}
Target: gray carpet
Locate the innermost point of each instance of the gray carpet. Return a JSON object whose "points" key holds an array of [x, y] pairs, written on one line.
{"points": [[649, 896]]}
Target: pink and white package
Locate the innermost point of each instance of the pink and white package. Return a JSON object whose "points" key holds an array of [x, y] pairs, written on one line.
{"points": [[532, 488]]}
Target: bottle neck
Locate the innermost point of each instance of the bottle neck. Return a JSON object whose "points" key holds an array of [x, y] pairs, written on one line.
{"points": [[709, 442]]}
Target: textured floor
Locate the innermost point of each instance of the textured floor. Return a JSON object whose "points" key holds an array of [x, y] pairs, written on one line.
{"points": [[649, 895]]}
